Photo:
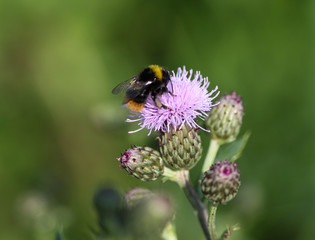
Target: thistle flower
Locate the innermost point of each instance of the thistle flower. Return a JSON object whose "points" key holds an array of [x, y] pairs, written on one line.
{"points": [[187, 100], [221, 182], [142, 162], [225, 120]]}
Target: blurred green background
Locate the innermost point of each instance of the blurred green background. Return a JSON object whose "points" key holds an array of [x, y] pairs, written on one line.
{"points": [[61, 129]]}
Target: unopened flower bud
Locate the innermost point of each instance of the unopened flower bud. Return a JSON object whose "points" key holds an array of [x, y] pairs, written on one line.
{"points": [[134, 195], [181, 149], [221, 182], [107, 202], [148, 216], [144, 163], [225, 120]]}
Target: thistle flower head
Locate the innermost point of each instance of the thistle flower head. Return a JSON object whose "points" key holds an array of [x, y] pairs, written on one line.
{"points": [[221, 182], [144, 163], [188, 98]]}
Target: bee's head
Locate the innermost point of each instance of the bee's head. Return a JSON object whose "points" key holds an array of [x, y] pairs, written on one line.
{"points": [[166, 76]]}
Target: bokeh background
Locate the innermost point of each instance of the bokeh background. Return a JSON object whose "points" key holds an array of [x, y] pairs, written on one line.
{"points": [[61, 129]]}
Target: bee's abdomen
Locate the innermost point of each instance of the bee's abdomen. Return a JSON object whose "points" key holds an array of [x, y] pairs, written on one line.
{"points": [[135, 106]]}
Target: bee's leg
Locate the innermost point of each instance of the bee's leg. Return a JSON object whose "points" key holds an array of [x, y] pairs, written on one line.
{"points": [[165, 90], [157, 102]]}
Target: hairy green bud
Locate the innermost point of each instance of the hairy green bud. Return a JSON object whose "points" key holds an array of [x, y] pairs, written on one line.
{"points": [[181, 149], [134, 195], [225, 120], [148, 216], [144, 163], [221, 182]]}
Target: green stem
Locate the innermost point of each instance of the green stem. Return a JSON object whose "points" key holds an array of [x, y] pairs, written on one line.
{"points": [[212, 212], [169, 232], [169, 174], [200, 210], [212, 152]]}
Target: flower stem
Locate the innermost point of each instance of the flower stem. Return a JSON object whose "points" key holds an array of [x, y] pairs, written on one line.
{"points": [[200, 209], [169, 232], [169, 174], [212, 152], [212, 212]]}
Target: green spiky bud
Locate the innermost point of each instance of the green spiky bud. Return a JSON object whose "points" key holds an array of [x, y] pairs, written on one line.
{"points": [[221, 182], [181, 149], [144, 163], [225, 120]]}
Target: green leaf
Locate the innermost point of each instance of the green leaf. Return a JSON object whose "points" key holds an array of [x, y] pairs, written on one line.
{"points": [[233, 150]]}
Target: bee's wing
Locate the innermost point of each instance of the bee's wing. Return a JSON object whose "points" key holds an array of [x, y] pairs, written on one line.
{"points": [[123, 86]]}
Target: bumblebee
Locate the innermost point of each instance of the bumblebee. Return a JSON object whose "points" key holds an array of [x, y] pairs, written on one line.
{"points": [[153, 79]]}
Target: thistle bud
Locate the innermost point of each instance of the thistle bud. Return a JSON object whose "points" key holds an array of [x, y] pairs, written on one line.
{"points": [[142, 162], [221, 182], [148, 216], [134, 195], [107, 202], [181, 149], [225, 120]]}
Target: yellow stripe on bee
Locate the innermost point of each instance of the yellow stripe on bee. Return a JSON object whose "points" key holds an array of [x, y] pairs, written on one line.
{"points": [[157, 71]]}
